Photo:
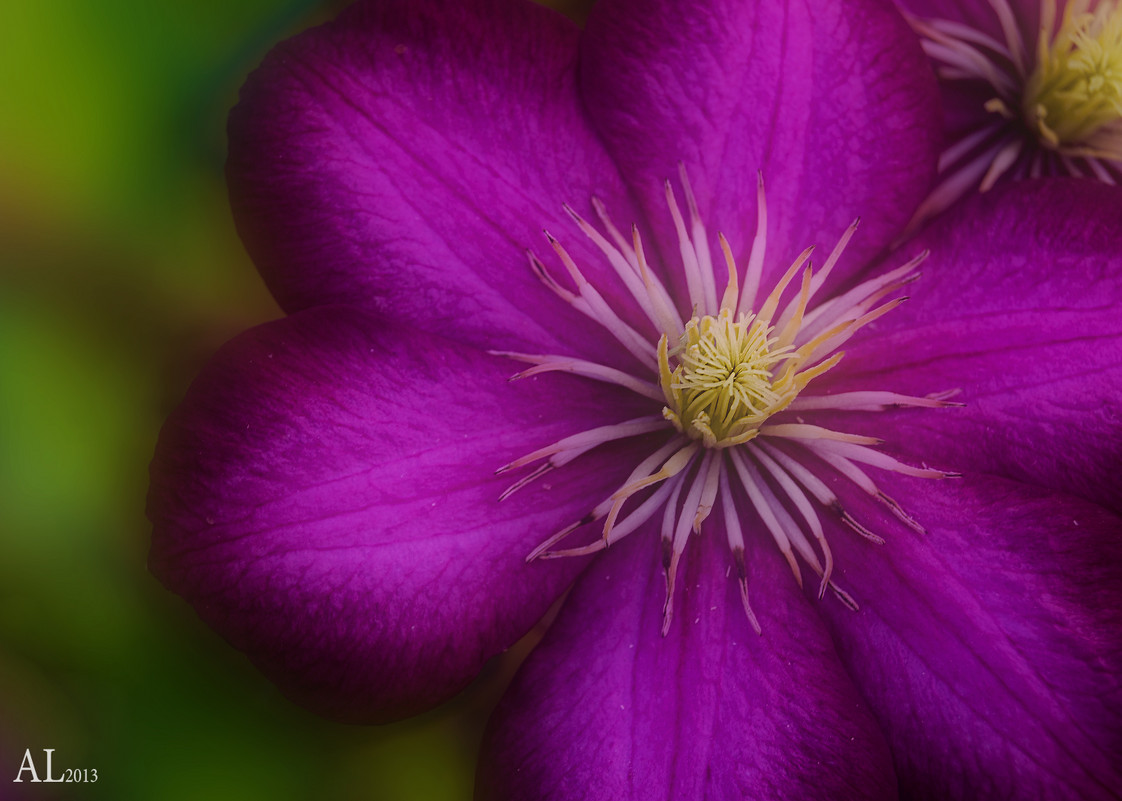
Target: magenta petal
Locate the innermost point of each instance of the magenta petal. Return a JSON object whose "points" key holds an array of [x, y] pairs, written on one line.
{"points": [[1018, 308], [325, 498], [991, 648], [405, 156], [606, 708], [833, 101]]}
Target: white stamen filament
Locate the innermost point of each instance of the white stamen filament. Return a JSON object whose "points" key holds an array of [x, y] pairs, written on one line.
{"points": [[819, 278], [565, 450], [699, 238], [756, 258], [694, 282], [791, 529], [593, 305], [806, 511], [669, 323], [669, 562], [690, 509], [736, 547], [610, 375], [855, 474], [752, 487], [814, 433], [859, 453], [852, 304], [627, 271], [604, 507], [641, 515], [840, 334], [677, 458], [865, 402], [814, 486]]}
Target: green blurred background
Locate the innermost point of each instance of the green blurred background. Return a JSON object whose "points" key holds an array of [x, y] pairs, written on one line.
{"points": [[120, 273]]}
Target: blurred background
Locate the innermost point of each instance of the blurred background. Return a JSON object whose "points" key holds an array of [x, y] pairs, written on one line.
{"points": [[120, 273]]}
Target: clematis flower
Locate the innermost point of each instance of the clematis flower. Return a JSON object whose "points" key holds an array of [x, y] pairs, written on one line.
{"points": [[351, 494], [1030, 88]]}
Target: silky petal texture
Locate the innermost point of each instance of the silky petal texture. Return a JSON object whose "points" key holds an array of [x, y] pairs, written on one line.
{"points": [[991, 648], [1018, 308], [405, 156], [834, 102], [606, 708], [325, 498]]}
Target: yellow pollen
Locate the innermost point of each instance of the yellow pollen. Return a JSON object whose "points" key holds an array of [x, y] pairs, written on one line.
{"points": [[1076, 90], [724, 385]]}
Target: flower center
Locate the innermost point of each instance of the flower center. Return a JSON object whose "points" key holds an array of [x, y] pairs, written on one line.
{"points": [[720, 377], [1076, 88], [722, 388]]}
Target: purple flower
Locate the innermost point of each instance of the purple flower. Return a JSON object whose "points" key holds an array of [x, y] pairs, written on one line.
{"points": [[327, 498], [1030, 88]]}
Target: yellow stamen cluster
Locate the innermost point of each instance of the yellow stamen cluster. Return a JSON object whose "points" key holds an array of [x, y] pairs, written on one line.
{"points": [[722, 388], [1076, 89], [731, 376]]}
